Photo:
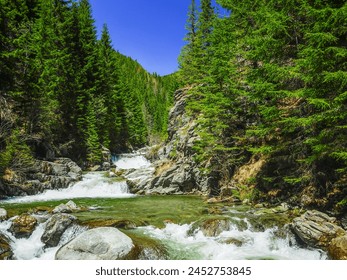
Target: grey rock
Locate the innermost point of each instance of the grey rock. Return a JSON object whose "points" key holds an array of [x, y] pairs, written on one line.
{"points": [[3, 214], [106, 154], [316, 229], [55, 228], [106, 166], [69, 207], [42, 175], [97, 244]]}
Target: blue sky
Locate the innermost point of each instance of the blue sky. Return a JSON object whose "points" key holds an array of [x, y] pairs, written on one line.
{"points": [[150, 31]]}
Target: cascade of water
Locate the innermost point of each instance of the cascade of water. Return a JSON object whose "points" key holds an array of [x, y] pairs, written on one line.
{"points": [[181, 241], [131, 161], [33, 248], [231, 244]]}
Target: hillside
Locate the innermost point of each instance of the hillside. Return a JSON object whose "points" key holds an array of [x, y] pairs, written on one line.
{"points": [[65, 93], [267, 96]]}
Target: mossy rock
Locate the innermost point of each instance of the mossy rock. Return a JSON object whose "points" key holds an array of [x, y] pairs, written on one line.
{"points": [[5, 248], [234, 241], [338, 248], [23, 226], [146, 248], [267, 220], [40, 210], [121, 224], [211, 227]]}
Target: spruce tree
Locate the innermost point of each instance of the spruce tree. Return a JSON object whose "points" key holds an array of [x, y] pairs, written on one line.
{"points": [[86, 81], [187, 59]]}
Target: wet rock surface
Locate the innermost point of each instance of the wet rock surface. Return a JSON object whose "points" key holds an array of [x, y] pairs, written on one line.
{"points": [[55, 227], [23, 226], [103, 243], [5, 248]]}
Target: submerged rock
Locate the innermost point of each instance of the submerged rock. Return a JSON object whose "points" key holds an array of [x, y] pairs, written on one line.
{"points": [[23, 226], [55, 228], [316, 229], [146, 248], [338, 248], [5, 248], [97, 244], [212, 227], [123, 224]]}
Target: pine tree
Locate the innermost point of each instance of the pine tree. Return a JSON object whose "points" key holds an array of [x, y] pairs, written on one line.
{"points": [[187, 59], [86, 81]]}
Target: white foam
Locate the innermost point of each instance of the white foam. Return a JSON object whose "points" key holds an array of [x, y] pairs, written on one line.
{"points": [[93, 185], [255, 245], [132, 161]]}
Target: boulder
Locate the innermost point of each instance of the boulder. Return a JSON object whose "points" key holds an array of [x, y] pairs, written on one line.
{"points": [[146, 248], [212, 227], [55, 228], [316, 229], [3, 214], [338, 248], [23, 226], [97, 244], [5, 248], [69, 207]]}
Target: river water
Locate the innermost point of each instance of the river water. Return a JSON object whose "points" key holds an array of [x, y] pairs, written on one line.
{"points": [[167, 219]]}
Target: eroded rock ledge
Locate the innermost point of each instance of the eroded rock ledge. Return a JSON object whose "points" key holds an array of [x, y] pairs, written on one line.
{"points": [[317, 229], [41, 176]]}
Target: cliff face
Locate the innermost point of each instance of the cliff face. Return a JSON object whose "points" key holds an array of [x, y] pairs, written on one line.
{"points": [[177, 171]]}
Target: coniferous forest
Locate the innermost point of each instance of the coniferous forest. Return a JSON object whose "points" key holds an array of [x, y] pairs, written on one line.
{"points": [[239, 154], [63, 92], [267, 83], [270, 86]]}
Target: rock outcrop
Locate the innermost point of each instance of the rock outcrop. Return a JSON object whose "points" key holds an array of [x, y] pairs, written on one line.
{"points": [[97, 244], [176, 171], [41, 176], [55, 227], [318, 230]]}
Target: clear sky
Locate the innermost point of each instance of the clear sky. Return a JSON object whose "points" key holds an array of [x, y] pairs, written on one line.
{"points": [[149, 31]]}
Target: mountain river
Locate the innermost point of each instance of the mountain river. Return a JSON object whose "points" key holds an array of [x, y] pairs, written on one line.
{"points": [[171, 220]]}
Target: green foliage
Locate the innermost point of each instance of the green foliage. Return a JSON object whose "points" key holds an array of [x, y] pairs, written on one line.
{"points": [[71, 92], [274, 84], [16, 155]]}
